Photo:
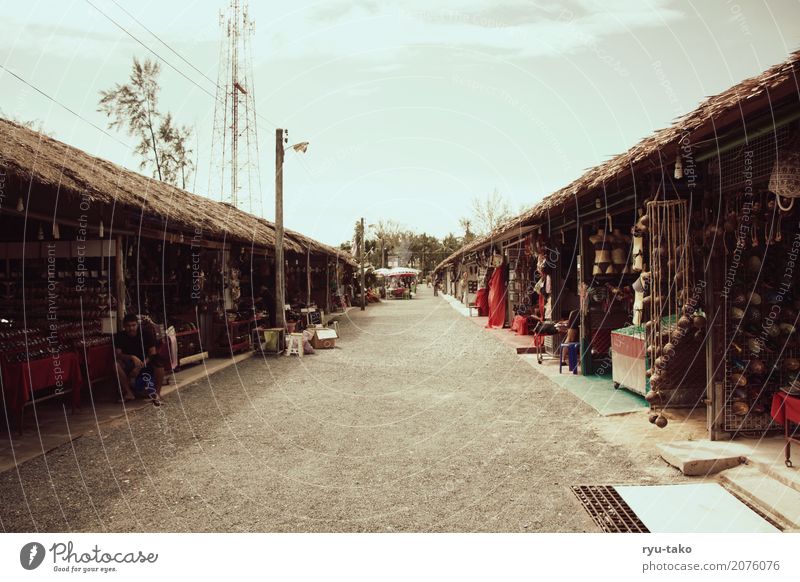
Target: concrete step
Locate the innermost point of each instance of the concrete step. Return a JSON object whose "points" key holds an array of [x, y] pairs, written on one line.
{"points": [[775, 499], [774, 466]]}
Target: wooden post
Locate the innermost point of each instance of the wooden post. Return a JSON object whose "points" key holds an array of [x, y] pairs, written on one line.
{"points": [[716, 345], [280, 285], [585, 277], [119, 267]]}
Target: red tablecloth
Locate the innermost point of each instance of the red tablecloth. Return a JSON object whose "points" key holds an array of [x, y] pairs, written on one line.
{"points": [[520, 325], [497, 299], [100, 362], [482, 301], [784, 405], [19, 380]]}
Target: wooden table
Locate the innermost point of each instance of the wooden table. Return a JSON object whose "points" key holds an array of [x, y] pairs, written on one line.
{"points": [[22, 380]]}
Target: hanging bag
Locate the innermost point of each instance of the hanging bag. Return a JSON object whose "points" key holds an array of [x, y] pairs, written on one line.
{"points": [[784, 181]]}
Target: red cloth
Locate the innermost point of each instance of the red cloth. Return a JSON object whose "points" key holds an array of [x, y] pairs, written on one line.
{"points": [[99, 362], [497, 299], [520, 325], [482, 302], [784, 405], [19, 380]]}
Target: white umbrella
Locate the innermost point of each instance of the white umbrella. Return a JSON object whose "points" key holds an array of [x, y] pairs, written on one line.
{"points": [[403, 272]]}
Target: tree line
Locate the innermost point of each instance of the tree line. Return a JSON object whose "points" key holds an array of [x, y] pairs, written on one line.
{"points": [[387, 240]]}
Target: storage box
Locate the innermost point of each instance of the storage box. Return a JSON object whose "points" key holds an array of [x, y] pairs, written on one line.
{"points": [[324, 339]]}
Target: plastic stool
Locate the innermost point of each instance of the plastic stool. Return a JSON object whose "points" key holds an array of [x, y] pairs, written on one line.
{"points": [[572, 351], [295, 344]]}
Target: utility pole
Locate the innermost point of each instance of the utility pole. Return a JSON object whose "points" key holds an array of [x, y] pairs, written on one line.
{"points": [[327, 284], [308, 276], [361, 262], [280, 285]]}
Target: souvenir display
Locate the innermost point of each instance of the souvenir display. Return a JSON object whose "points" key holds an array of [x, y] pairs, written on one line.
{"points": [[764, 353], [675, 323]]}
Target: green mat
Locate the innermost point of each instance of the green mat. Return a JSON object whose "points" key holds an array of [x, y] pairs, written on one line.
{"points": [[596, 391]]}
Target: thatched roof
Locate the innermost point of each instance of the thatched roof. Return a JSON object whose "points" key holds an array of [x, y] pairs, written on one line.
{"points": [[37, 159], [757, 93]]}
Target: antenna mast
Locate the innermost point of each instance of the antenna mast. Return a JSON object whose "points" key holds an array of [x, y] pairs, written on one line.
{"points": [[235, 129]]}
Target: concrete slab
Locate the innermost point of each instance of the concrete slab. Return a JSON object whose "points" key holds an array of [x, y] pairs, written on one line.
{"points": [[700, 508], [702, 457], [694, 458], [767, 454], [779, 502]]}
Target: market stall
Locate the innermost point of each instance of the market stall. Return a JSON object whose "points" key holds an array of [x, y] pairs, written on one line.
{"points": [[55, 311], [402, 283]]}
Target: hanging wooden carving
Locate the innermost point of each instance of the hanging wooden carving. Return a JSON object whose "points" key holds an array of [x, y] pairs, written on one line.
{"points": [[667, 304]]}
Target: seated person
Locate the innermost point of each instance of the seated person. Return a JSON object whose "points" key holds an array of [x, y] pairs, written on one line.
{"points": [[136, 348]]}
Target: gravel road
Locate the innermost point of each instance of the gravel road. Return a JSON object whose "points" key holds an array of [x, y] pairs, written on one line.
{"points": [[417, 421]]}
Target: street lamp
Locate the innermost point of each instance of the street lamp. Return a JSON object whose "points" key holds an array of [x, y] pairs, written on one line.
{"points": [[281, 137]]}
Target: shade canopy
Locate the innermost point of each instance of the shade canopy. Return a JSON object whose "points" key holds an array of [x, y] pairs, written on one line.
{"points": [[403, 272]]}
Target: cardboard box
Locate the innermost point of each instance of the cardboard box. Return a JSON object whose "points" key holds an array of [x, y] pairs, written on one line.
{"points": [[324, 339]]}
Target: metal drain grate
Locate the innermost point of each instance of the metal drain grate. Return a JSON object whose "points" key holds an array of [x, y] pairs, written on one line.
{"points": [[608, 510]]}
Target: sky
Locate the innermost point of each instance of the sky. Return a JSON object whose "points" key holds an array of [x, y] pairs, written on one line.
{"points": [[412, 108]]}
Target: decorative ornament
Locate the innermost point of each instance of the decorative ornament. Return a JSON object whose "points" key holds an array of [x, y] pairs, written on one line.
{"points": [[784, 181], [678, 167], [20, 205]]}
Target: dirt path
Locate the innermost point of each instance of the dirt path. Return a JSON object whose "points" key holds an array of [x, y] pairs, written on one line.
{"points": [[418, 421]]}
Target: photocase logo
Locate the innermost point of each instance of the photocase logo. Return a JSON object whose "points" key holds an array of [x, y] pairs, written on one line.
{"points": [[31, 555]]}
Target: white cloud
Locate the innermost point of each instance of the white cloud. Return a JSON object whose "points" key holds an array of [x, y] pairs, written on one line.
{"points": [[510, 27]]}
